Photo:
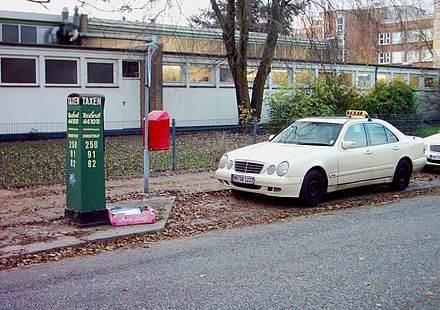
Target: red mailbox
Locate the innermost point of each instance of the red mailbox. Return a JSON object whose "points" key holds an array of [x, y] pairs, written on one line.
{"points": [[158, 131]]}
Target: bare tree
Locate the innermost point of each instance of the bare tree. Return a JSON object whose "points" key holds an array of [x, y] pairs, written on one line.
{"points": [[236, 16]]}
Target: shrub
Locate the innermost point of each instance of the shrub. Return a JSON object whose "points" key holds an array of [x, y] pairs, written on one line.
{"points": [[326, 96], [394, 98]]}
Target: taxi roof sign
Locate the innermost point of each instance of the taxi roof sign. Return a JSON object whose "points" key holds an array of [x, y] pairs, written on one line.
{"points": [[351, 113]]}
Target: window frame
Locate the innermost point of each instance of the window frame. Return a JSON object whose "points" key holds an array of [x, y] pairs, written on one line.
{"points": [[37, 75], [384, 58], [305, 71], [61, 84], [138, 72], [398, 37], [101, 61], [182, 74], [209, 83], [225, 83], [401, 57], [284, 70], [384, 38], [384, 129], [364, 131], [19, 33], [364, 74]]}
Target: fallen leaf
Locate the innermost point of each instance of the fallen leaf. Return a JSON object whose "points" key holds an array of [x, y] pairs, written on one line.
{"points": [[429, 294]]}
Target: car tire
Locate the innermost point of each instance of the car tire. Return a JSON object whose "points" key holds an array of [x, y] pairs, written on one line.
{"points": [[313, 189], [402, 175]]}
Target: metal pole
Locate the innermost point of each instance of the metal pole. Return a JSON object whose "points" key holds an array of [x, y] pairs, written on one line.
{"points": [[146, 154], [254, 123], [148, 64], [173, 122]]}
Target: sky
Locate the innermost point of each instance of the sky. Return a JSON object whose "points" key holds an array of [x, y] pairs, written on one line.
{"points": [[162, 11], [177, 11]]}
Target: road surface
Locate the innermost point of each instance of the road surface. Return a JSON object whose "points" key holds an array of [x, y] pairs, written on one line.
{"points": [[385, 256]]}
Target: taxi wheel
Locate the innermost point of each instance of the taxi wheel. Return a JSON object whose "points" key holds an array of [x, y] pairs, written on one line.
{"points": [[402, 176], [313, 188]]}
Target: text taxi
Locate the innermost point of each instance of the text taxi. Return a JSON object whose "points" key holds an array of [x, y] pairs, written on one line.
{"points": [[314, 156]]}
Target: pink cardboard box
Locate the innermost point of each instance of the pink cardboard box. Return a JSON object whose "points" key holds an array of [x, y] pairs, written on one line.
{"points": [[131, 216]]}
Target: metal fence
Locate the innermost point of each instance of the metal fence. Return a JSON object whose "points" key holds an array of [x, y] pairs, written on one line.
{"points": [[194, 145]]}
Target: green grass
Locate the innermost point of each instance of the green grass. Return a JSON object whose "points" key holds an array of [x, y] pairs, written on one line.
{"points": [[430, 130], [38, 162]]}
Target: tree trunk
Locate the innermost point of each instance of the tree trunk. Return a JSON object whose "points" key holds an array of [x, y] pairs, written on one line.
{"points": [[266, 60], [237, 56]]}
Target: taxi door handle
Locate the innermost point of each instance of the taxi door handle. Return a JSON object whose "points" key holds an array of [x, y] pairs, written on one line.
{"points": [[368, 152], [396, 148]]}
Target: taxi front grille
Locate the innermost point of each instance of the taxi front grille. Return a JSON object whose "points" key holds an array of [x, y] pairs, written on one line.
{"points": [[248, 167], [435, 148]]}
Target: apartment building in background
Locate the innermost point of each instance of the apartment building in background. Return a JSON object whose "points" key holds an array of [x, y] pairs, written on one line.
{"points": [[390, 35]]}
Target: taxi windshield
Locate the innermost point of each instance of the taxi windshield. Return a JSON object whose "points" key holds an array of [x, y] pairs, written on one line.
{"points": [[309, 133]]}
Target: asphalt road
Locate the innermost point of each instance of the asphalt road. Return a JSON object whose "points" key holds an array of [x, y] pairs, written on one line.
{"points": [[385, 257]]}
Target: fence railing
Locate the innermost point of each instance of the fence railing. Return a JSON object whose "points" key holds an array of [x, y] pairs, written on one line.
{"points": [[194, 145]]}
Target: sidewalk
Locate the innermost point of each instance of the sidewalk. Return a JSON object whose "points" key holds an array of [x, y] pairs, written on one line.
{"points": [[32, 220]]}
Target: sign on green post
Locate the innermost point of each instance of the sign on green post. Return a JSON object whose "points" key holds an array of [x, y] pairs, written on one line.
{"points": [[85, 177]]}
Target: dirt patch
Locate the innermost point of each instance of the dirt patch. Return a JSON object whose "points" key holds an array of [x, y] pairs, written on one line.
{"points": [[200, 206]]}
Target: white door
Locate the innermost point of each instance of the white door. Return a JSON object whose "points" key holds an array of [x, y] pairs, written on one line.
{"points": [[354, 164], [130, 94], [385, 150]]}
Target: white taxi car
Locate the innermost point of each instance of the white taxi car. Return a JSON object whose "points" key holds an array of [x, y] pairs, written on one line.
{"points": [[432, 150], [314, 156]]}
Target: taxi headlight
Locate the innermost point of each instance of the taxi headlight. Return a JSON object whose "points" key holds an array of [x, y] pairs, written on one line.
{"points": [[271, 170], [223, 161], [425, 148], [282, 169], [230, 164]]}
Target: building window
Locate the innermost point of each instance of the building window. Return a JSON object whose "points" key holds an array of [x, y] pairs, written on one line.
{"points": [[27, 73], [346, 78], [10, 33], [172, 73], [61, 71], [412, 56], [427, 34], [414, 81], [430, 81], [426, 55], [364, 80], [100, 73], [384, 38], [130, 69], [19, 33], [413, 36], [384, 58], [226, 75], [28, 34], [251, 74], [398, 57], [304, 77], [201, 74], [325, 75], [280, 76], [340, 25], [382, 78], [399, 77], [398, 37]]}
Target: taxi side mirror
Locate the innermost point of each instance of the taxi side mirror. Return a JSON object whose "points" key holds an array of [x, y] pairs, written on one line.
{"points": [[348, 145]]}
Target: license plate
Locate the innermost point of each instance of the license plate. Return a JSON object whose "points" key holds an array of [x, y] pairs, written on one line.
{"points": [[434, 156], [242, 179]]}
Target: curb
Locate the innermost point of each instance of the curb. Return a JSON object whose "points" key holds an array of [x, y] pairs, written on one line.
{"points": [[98, 234]]}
